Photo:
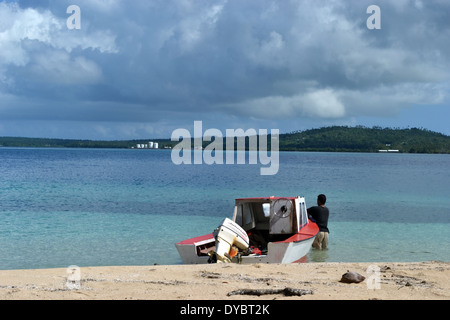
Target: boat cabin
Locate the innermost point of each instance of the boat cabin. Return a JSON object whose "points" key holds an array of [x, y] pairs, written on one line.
{"points": [[270, 219]]}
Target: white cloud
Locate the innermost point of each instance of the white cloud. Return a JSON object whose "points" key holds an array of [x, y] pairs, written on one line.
{"points": [[323, 103], [102, 40], [18, 25], [39, 40], [59, 67], [270, 51], [195, 26]]}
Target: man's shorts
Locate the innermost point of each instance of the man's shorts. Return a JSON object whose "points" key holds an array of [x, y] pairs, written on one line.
{"points": [[321, 241]]}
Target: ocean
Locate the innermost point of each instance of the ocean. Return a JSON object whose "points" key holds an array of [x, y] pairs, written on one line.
{"points": [[101, 207]]}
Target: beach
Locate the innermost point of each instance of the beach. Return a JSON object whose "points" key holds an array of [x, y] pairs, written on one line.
{"points": [[308, 281]]}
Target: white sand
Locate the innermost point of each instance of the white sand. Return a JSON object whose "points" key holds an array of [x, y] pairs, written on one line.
{"points": [[398, 281]]}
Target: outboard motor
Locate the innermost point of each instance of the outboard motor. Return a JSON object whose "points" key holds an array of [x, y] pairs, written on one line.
{"points": [[230, 238]]}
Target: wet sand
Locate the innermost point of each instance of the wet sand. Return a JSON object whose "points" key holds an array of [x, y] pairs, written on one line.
{"points": [[308, 281]]}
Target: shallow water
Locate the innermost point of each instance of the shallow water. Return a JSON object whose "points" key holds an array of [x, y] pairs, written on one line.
{"points": [[62, 207]]}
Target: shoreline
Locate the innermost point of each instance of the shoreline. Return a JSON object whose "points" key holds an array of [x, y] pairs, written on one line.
{"points": [[313, 281]]}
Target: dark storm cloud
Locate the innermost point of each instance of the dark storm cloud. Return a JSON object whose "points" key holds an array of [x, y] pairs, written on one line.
{"points": [[140, 60]]}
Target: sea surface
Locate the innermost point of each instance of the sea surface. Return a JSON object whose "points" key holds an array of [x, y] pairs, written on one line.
{"points": [[100, 207]]}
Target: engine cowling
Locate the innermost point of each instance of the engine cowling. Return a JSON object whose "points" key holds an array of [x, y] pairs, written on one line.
{"points": [[230, 238]]}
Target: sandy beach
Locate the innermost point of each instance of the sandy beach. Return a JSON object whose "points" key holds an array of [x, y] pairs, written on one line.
{"points": [[308, 281]]}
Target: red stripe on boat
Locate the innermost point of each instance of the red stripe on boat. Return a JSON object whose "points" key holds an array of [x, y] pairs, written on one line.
{"points": [[197, 239]]}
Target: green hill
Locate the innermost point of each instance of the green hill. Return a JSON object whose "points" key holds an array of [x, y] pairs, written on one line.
{"points": [[362, 139]]}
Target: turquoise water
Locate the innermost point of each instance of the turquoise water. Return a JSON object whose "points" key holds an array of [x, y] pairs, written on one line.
{"points": [[384, 242], [61, 207]]}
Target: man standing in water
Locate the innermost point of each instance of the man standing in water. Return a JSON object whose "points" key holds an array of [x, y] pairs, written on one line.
{"points": [[320, 214]]}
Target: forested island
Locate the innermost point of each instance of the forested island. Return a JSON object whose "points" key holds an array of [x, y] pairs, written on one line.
{"points": [[329, 139], [363, 139]]}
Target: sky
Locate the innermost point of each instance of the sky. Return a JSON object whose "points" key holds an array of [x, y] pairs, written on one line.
{"points": [[138, 69]]}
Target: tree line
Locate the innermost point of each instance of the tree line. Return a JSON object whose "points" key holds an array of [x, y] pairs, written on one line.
{"points": [[331, 139]]}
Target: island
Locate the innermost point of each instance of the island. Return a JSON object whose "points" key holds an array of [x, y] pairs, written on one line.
{"points": [[325, 139]]}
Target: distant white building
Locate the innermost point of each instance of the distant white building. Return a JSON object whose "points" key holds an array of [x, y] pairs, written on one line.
{"points": [[150, 145]]}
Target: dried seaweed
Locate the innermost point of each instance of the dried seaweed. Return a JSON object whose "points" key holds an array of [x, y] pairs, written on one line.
{"points": [[259, 292]]}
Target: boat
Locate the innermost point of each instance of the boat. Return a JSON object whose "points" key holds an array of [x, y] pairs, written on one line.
{"points": [[262, 230]]}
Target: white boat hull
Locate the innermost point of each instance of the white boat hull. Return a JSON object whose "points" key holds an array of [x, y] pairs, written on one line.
{"points": [[278, 252]]}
